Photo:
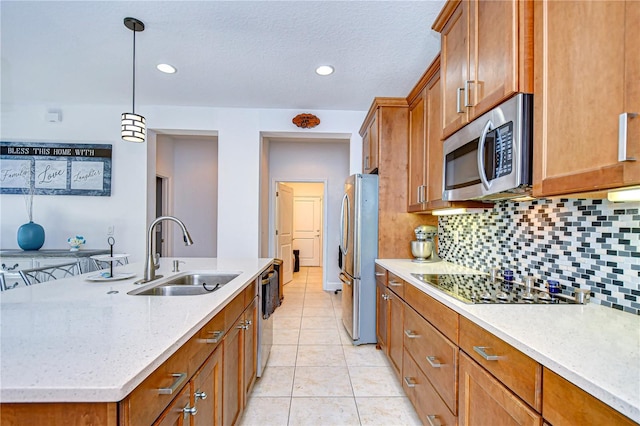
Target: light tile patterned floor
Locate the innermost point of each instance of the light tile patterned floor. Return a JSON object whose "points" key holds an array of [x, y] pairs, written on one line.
{"points": [[315, 376]]}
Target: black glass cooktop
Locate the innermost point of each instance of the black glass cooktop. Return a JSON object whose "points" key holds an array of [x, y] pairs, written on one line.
{"points": [[479, 288]]}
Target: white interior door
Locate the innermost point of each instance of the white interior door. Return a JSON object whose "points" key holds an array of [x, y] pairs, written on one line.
{"points": [[307, 229], [284, 229]]}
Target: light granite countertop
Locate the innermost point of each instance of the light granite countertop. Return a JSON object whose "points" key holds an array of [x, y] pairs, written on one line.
{"points": [[594, 347], [72, 340]]}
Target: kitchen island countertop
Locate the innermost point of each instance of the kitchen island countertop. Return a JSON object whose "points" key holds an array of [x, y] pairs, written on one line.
{"points": [[594, 347], [75, 340]]}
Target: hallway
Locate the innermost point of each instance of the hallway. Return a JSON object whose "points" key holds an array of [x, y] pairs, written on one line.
{"points": [[315, 376]]}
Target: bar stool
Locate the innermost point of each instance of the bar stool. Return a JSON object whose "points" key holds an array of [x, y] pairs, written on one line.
{"points": [[50, 272]]}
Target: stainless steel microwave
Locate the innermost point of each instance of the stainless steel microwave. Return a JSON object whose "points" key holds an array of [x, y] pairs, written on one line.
{"points": [[491, 157]]}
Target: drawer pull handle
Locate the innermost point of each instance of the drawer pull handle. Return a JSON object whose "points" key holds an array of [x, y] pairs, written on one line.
{"points": [[179, 380], [432, 419], [483, 354], [410, 382], [379, 274], [215, 338], [410, 334], [393, 283], [433, 361], [190, 410]]}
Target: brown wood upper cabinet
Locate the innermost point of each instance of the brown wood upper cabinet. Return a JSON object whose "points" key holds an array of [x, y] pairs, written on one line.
{"points": [[425, 144], [370, 147], [388, 119], [587, 78], [486, 56]]}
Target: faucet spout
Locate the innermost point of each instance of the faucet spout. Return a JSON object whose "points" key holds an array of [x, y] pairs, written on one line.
{"points": [[150, 263]]}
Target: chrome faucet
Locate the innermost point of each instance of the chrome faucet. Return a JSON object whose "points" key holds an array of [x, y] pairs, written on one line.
{"points": [[151, 263]]}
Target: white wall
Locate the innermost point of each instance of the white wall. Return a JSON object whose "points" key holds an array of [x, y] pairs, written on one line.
{"points": [[64, 216], [134, 170], [195, 196], [299, 161]]}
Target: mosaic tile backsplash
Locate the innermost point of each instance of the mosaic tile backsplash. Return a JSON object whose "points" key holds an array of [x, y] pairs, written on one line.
{"points": [[590, 244]]}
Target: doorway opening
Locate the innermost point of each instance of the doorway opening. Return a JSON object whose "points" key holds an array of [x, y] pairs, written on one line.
{"points": [[162, 209], [299, 225]]}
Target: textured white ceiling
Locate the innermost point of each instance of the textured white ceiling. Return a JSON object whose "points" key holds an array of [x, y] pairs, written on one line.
{"points": [[257, 54]]}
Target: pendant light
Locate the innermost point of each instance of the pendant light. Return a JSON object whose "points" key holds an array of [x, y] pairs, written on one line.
{"points": [[133, 127]]}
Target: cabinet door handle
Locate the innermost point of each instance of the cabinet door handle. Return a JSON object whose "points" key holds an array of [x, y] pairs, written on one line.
{"points": [[466, 93], [410, 382], [410, 334], [179, 380], [432, 419], [459, 109], [483, 354], [433, 361], [623, 119], [190, 410], [200, 395], [393, 283]]}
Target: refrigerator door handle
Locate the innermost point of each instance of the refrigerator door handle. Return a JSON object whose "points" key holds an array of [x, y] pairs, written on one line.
{"points": [[344, 248]]}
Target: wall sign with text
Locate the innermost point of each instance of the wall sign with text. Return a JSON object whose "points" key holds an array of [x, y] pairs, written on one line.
{"points": [[55, 168]]}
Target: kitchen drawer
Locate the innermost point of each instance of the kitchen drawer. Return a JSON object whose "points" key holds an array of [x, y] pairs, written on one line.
{"points": [[233, 310], [434, 354], [441, 317], [381, 275], [207, 340], [396, 284], [566, 404], [486, 401], [516, 370], [430, 408], [250, 293], [146, 402]]}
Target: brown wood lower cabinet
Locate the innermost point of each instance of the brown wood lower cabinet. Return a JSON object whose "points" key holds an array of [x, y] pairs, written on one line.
{"points": [[382, 315], [455, 372], [486, 401], [396, 309], [206, 392], [565, 404], [430, 408], [232, 374], [178, 412], [250, 347], [434, 354]]}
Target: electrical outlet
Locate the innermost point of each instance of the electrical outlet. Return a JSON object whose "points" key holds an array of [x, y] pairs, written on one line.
{"points": [[110, 230]]}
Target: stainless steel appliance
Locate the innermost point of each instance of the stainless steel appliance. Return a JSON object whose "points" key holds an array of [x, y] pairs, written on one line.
{"points": [[358, 250], [479, 288], [491, 157], [269, 300]]}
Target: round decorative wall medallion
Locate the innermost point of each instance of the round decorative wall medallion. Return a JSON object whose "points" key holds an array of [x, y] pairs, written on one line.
{"points": [[306, 121]]}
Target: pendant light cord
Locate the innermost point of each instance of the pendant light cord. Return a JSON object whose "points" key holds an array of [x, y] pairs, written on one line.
{"points": [[133, 106]]}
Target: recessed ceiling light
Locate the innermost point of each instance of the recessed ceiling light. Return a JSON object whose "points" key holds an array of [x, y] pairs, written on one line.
{"points": [[324, 70], [166, 68]]}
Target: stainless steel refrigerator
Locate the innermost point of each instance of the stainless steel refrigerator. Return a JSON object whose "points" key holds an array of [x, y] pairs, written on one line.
{"points": [[358, 250]]}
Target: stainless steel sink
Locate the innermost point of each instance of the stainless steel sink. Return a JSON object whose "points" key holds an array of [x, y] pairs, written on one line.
{"points": [[187, 285]]}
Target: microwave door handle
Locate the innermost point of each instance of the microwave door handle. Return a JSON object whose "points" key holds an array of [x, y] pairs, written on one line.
{"points": [[483, 139]]}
